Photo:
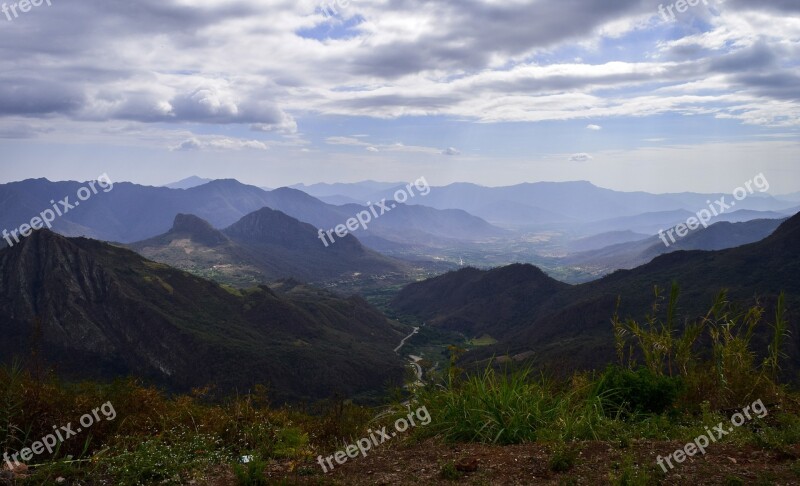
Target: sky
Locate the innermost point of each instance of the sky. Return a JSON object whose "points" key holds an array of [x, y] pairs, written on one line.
{"points": [[494, 92]]}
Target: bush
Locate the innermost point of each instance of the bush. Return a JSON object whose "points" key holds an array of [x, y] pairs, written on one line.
{"points": [[640, 391], [563, 459]]}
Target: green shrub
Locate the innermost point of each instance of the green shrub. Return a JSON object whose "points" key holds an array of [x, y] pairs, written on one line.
{"points": [[640, 391]]}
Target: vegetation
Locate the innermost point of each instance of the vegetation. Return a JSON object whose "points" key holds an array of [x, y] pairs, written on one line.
{"points": [[670, 384]]}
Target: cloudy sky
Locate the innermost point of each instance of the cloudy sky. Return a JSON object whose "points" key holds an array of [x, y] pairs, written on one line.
{"points": [[495, 92]]}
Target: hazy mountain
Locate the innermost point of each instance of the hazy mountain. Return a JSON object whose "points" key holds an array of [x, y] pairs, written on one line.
{"points": [[580, 201], [718, 236], [188, 183], [98, 311], [338, 200], [792, 197], [263, 246], [128, 212], [743, 215], [131, 212], [790, 211], [358, 192], [514, 213], [603, 240], [568, 326], [648, 223]]}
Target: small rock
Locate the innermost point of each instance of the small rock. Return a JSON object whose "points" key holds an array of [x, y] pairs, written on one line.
{"points": [[732, 460], [467, 465], [60, 480]]}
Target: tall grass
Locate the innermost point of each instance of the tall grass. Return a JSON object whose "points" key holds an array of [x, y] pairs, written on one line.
{"points": [[714, 355]]}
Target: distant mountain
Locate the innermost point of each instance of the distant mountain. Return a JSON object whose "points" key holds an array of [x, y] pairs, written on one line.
{"points": [[648, 223], [577, 201], [358, 192], [98, 311], [188, 183], [791, 211], [421, 224], [338, 200], [718, 236], [568, 327], [750, 215], [263, 246], [131, 212], [603, 240], [514, 213], [792, 197]]}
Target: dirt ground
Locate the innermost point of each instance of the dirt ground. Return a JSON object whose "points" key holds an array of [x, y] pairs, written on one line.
{"points": [[529, 464]]}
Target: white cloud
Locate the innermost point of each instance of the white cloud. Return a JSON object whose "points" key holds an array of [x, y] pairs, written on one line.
{"points": [[594, 127], [582, 157], [451, 151], [218, 143]]}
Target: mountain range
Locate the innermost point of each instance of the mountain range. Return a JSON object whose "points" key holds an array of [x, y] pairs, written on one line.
{"points": [[555, 203], [131, 212], [263, 246]]}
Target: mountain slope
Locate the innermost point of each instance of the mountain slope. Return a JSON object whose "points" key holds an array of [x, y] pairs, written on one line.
{"points": [[96, 310], [571, 327], [458, 300]]}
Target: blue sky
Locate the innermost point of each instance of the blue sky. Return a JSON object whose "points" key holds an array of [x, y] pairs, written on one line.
{"points": [[274, 92]]}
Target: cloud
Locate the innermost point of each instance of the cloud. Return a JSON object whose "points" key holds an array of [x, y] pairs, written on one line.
{"points": [[177, 63], [451, 151], [394, 147], [594, 127], [22, 131], [582, 157], [218, 143]]}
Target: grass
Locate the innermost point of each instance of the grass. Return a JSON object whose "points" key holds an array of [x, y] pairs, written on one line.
{"points": [[485, 340]]}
